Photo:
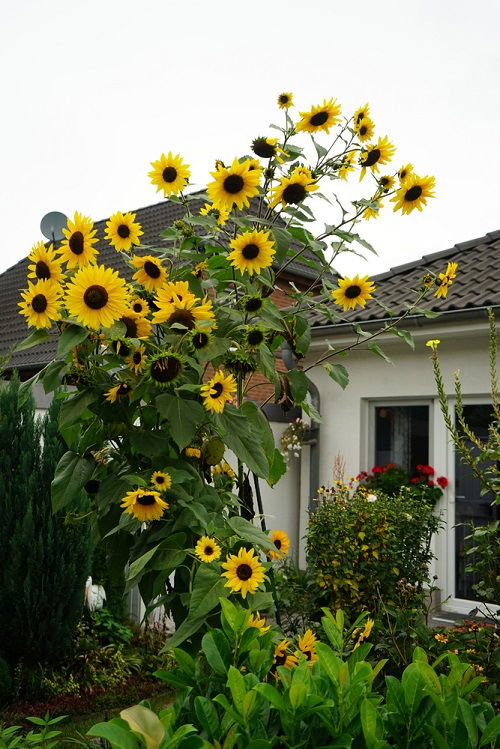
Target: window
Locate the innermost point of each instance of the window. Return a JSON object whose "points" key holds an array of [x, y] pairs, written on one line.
{"points": [[402, 436]]}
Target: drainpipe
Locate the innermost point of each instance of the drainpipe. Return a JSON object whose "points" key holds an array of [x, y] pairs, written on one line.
{"points": [[313, 433]]}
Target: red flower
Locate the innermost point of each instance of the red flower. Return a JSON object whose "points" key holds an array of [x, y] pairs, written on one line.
{"points": [[390, 465], [377, 469], [362, 475], [428, 470], [420, 468], [442, 481], [430, 482], [414, 480]]}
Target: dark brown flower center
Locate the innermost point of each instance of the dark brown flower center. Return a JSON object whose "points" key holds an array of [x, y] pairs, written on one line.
{"points": [[123, 231], [283, 99], [360, 117], [208, 550], [372, 157], [182, 317], [280, 659], [277, 543], [263, 149], [200, 340], [76, 243], [121, 348], [255, 337], [151, 269], [146, 499], [319, 119], [250, 251], [169, 174], [165, 369], [137, 307], [252, 305], [402, 173], [413, 193], [124, 389], [96, 297], [42, 270], [307, 654], [137, 357], [244, 572], [39, 303], [160, 479], [130, 325], [233, 183], [363, 130], [218, 387], [384, 181], [352, 292], [294, 193]]}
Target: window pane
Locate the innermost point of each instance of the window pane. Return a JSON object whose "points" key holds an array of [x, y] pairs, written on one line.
{"points": [[402, 436]]}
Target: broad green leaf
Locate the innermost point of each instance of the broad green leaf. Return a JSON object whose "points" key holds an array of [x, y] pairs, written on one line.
{"points": [[368, 714], [277, 468], [240, 435], [150, 443], [469, 721], [248, 532], [270, 693], [283, 241], [71, 337], [207, 715], [298, 384], [118, 736], [217, 651], [338, 373], [237, 686], [145, 722], [491, 732], [377, 350], [72, 473], [405, 335], [297, 695], [184, 417], [53, 375], [34, 338], [73, 406]]}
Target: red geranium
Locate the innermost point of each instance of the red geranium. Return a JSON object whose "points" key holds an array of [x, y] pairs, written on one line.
{"points": [[442, 481], [377, 469], [430, 482]]}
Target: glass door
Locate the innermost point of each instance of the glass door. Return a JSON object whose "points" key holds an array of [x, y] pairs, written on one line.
{"points": [[470, 506]]}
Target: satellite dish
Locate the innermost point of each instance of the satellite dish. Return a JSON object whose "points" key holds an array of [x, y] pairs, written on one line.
{"points": [[52, 224]]}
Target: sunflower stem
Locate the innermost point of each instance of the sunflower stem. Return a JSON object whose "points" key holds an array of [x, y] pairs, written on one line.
{"points": [[272, 578]]}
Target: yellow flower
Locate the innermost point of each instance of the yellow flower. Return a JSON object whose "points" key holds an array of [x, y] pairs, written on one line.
{"points": [[224, 468], [233, 185], [444, 280], [244, 572], [293, 189], [322, 117], [118, 392], [151, 274], [367, 630], [218, 391], [177, 291], [207, 549], [198, 269], [255, 620], [353, 292], [122, 231], [282, 543], [376, 155], [285, 100], [360, 114], [165, 368], [441, 638], [451, 270], [162, 481], [170, 174], [267, 148], [46, 266], [365, 129], [41, 303], [347, 164], [413, 193], [251, 251], [96, 296], [139, 307], [221, 213], [192, 452], [405, 172], [386, 183], [145, 505], [188, 312], [76, 249], [433, 344], [136, 361], [373, 211], [306, 646], [136, 327], [282, 657]]}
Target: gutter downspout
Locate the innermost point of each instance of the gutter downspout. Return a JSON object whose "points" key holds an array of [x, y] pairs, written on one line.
{"points": [[313, 433]]}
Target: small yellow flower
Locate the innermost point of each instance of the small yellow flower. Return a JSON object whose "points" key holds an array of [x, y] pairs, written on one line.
{"points": [[441, 638], [255, 620], [285, 100], [207, 549], [192, 452], [162, 481], [433, 343]]}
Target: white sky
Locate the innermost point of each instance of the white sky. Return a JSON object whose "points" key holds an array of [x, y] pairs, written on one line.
{"points": [[92, 92]]}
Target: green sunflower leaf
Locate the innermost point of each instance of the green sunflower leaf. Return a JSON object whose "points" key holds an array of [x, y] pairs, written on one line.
{"points": [[338, 373], [377, 350], [34, 338], [184, 417], [71, 337], [72, 473], [244, 433]]}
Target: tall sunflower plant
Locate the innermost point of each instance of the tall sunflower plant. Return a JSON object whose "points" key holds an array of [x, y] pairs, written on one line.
{"points": [[157, 364]]}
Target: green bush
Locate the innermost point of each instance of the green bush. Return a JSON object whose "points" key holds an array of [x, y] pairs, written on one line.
{"points": [[368, 550]]}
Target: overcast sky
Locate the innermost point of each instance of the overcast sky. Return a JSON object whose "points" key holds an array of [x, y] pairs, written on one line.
{"points": [[93, 91]]}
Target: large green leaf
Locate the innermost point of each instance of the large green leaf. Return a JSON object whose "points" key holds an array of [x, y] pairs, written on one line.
{"points": [[165, 557], [248, 532], [217, 651], [71, 337], [72, 473], [245, 434], [207, 716], [74, 406], [145, 722], [277, 468], [118, 736], [151, 443], [338, 373], [298, 384], [34, 338], [184, 416]]}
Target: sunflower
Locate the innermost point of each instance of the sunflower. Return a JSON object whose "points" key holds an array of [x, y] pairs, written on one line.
{"points": [[145, 505], [120, 347], [254, 336], [282, 657], [192, 452], [376, 155], [255, 620], [244, 572], [255, 164], [252, 304], [96, 296], [137, 327], [46, 266], [233, 185], [365, 129], [173, 292], [267, 148], [386, 183], [413, 193], [161, 481], [136, 361], [200, 340], [373, 211], [165, 368], [138, 307], [321, 117], [282, 544], [444, 280], [360, 114], [222, 214], [122, 231], [292, 189], [451, 270], [170, 174], [306, 646], [285, 101], [41, 303], [150, 272], [199, 268], [224, 469], [80, 235], [251, 251], [347, 164], [118, 392], [405, 172], [353, 292], [218, 391], [207, 549], [189, 312]]}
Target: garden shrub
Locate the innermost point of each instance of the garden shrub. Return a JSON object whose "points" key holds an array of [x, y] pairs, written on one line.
{"points": [[369, 549]]}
